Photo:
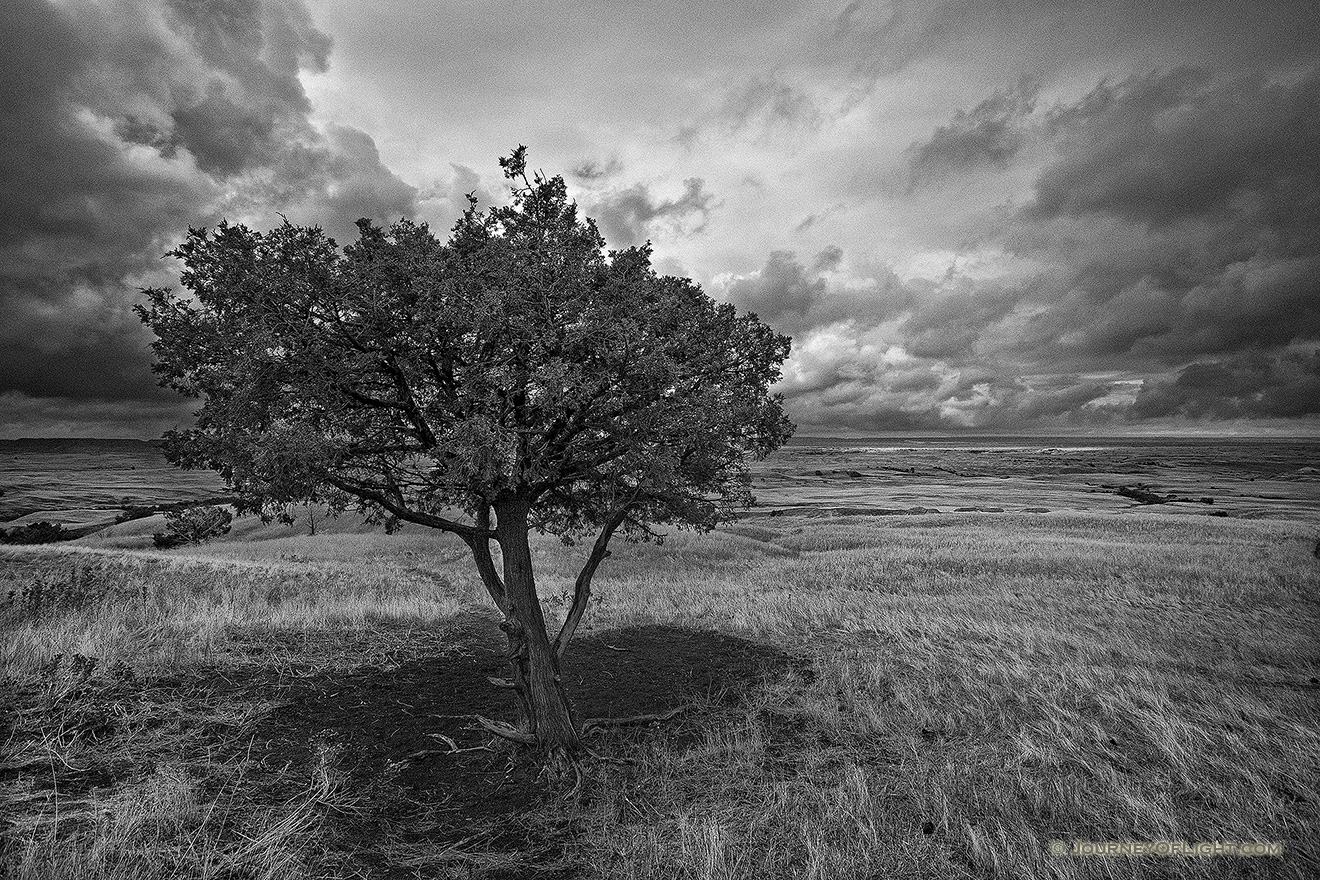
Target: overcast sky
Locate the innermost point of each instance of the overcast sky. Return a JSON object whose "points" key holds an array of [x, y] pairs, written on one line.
{"points": [[1011, 215]]}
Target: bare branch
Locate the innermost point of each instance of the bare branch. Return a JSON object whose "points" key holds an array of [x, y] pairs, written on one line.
{"points": [[480, 547], [368, 493], [582, 586], [453, 749]]}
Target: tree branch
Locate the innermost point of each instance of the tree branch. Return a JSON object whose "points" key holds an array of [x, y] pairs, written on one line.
{"points": [[480, 548], [582, 586], [366, 493]]}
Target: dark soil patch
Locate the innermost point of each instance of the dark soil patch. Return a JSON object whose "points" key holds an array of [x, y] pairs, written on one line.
{"points": [[379, 717]]}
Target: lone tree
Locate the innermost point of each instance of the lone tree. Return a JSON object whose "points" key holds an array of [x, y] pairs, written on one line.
{"points": [[514, 378]]}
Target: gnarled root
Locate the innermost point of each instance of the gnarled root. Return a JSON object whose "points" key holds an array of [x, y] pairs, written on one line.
{"points": [[506, 731]]}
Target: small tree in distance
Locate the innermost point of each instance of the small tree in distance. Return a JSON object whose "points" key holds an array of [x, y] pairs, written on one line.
{"points": [[514, 378]]}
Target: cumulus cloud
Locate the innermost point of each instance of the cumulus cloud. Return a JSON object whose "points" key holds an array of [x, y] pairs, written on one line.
{"points": [[863, 380], [626, 217], [874, 352], [795, 297], [121, 125], [1175, 225], [442, 203]]}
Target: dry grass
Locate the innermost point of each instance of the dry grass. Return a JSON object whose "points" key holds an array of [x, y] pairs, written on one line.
{"points": [[996, 680], [111, 779], [170, 825], [161, 611]]}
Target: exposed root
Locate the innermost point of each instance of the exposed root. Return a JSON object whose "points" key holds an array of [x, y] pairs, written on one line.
{"points": [[506, 731], [593, 724]]}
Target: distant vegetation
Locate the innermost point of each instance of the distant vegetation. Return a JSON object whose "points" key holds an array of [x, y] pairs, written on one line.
{"points": [[36, 533]]}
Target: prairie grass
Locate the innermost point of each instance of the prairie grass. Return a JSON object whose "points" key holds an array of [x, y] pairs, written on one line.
{"points": [[158, 611], [971, 687], [182, 819]]}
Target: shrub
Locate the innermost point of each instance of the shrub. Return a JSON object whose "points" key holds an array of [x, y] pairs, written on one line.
{"points": [[193, 525], [134, 511], [35, 533]]}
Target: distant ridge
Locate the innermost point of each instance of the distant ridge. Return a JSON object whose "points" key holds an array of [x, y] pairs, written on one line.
{"points": [[977, 438], [84, 445]]}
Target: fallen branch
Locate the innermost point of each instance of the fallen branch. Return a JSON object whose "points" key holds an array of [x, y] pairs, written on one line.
{"points": [[505, 683], [593, 724], [452, 750]]}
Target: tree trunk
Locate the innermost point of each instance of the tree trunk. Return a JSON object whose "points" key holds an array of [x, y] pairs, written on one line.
{"points": [[547, 714]]}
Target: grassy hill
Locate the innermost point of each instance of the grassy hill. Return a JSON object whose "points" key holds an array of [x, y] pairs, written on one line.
{"points": [[928, 695]]}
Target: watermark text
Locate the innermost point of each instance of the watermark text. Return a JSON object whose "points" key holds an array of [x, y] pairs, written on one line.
{"points": [[1165, 848]]}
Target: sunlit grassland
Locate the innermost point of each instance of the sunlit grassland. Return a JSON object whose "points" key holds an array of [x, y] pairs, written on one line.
{"points": [[971, 687]]}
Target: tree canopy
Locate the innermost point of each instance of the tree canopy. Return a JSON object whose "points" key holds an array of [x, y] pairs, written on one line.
{"points": [[516, 376]]}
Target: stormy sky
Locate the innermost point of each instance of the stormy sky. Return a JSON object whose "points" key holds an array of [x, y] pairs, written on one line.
{"points": [[1005, 215]]}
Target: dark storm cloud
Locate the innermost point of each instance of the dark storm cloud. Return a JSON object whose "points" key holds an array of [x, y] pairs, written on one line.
{"points": [[626, 217], [120, 126], [781, 293], [1046, 36], [950, 325], [1183, 215], [25, 416], [989, 135], [1183, 144], [1252, 385], [1172, 217]]}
